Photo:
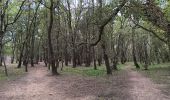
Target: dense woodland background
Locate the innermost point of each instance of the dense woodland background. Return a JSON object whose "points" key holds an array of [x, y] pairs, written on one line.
{"points": [[84, 33]]}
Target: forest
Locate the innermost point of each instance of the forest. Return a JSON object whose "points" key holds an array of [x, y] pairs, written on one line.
{"points": [[85, 49]]}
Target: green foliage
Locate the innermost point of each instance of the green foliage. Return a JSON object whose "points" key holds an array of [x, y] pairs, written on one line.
{"points": [[88, 71], [163, 65], [167, 11], [84, 71], [7, 49]]}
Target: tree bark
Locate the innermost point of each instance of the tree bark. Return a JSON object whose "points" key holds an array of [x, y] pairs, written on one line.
{"points": [[21, 55], [13, 54], [168, 33], [94, 59], [0, 52], [146, 56], [106, 59], [33, 35], [6, 70], [52, 60], [133, 49]]}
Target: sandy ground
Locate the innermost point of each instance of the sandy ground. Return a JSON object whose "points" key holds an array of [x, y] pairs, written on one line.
{"points": [[38, 84], [143, 88]]}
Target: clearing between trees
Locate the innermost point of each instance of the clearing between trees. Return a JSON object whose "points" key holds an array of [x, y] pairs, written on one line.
{"points": [[89, 47], [38, 84]]}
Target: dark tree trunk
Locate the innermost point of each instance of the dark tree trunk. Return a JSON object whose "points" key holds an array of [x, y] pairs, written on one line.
{"points": [[115, 66], [168, 33], [45, 56], [26, 64], [146, 60], [32, 57], [24, 54], [95, 66], [66, 61], [0, 54], [94, 59], [12, 59], [135, 60], [106, 59], [6, 71], [26, 58], [133, 49], [21, 55], [94, 54], [79, 62], [1, 33], [157, 55], [66, 56], [115, 62], [72, 35], [87, 61], [99, 60], [33, 36], [13, 51], [62, 64], [123, 57], [52, 60], [74, 58]]}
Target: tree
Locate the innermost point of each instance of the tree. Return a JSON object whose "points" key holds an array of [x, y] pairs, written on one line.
{"points": [[52, 59]]}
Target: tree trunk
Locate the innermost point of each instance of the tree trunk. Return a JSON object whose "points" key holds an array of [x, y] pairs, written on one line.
{"points": [[87, 64], [99, 61], [32, 52], [13, 55], [168, 33], [115, 64], [94, 59], [33, 36], [157, 57], [133, 50], [6, 71], [1, 33], [26, 58], [106, 59], [52, 60], [66, 56], [146, 60], [45, 56], [74, 58], [0, 53], [21, 56]]}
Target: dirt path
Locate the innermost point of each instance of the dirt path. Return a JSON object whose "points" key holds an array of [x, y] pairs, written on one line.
{"points": [[143, 88], [38, 84]]}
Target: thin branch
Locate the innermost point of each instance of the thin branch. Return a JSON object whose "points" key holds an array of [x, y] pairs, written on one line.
{"points": [[17, 15], [151, 31], [42, 4], [113, 15]]}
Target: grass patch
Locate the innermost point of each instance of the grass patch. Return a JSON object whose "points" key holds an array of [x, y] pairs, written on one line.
{"points": [[160, 74], [89, 71], [85, 71], [2, 76], [13, 72]]}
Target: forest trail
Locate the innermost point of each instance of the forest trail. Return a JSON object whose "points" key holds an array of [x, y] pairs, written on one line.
{"points": [[38, 84], [142, 87]]}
